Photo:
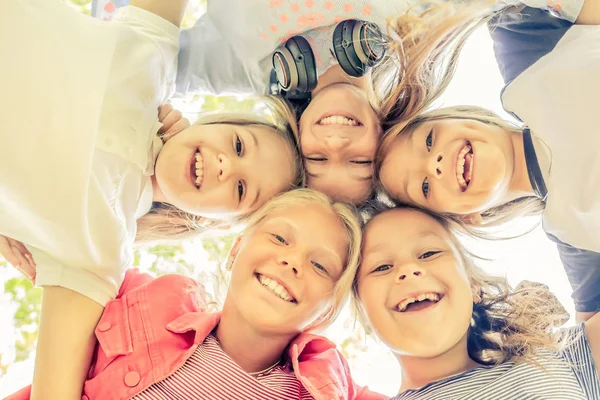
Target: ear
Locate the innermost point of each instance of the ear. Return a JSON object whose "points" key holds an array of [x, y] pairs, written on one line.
{"points": [[235, 249], [472, 219]]}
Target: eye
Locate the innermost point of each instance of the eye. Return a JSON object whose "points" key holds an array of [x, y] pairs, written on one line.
{"points": [[240, 189], [384, 267], [319, 266], [280, 239], [239, 146], [316, 159], [428, 254], [425, 187], [362, 162], [429, 140]]}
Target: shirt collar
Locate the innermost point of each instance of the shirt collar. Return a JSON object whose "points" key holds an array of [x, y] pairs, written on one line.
{"points": [[203, 323]]}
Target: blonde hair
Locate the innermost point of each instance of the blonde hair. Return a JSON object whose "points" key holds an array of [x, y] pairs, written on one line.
{"points": [[507, 324], [428, 39], [347, 215], [165, 222], [495, 216]]}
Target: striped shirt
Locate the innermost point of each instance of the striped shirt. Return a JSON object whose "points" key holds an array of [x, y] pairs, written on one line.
{"points": [[211, 374], [570, 375]]}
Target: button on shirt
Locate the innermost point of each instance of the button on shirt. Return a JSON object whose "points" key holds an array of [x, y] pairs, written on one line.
{"points": [[154, 326], [78, 138]]}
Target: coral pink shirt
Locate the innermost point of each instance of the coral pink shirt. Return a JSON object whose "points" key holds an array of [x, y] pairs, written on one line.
{"points": [[155, 325]]}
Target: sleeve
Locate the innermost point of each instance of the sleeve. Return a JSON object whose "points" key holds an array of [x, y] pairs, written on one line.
{"points": [[208, 63], [583, 270], [578, 353], [522, 36], [155, 48], [565, 9]]}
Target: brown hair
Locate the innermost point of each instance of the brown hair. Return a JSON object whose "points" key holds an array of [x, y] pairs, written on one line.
{"points": [[508, 324], [165, 222]]}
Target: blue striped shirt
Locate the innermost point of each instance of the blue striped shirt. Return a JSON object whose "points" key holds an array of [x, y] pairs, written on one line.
{"points": [[569, 375]]}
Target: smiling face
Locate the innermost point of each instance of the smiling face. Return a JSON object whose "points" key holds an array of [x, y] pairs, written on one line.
{"points": [[222, 170], [339, 133], [285, 268], [457, 166], [413, 285]]}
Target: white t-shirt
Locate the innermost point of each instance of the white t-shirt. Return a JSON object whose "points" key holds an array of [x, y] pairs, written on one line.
{"points": [[78, 139], [557, 97]]}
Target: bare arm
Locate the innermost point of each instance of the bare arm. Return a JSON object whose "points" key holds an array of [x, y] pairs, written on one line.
{"points": [[583, 316], [592, 328], [65, 344], [171, 10], [590, 13]]}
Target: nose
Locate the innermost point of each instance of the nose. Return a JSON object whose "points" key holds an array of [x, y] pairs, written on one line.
{"points": [[336, 143], [291, 260], [410, 271], [223, 167], [434, 167]]}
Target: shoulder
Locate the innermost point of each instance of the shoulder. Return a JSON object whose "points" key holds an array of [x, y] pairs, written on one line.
{"points": [[522, 36], [147, 23]]}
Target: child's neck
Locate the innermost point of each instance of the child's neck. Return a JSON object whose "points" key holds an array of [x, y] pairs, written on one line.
{"points": [[336, 74], [418, 372], [520, 185], [252, 350], [157, 194]]}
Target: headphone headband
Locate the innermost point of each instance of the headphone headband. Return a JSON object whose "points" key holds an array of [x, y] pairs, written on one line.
{"points": [[357, 46]]}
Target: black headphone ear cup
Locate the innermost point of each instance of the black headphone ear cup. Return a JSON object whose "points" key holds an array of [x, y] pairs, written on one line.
{"points": [[369, 43], [285, 68], [357, 46], [342, 48], [294, 64]]}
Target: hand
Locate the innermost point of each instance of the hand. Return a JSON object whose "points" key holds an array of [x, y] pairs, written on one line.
{"points": [[172, 120], [18, 256]]}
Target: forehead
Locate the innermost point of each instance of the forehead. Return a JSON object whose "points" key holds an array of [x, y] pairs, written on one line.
{"points": [[313, 224], [401, 157], [401, 225]]}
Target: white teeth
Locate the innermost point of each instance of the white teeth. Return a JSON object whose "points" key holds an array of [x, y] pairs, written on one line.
{"points": [[338, 120], [199, 169], [276, 288], [409, 300], [460, 167]]}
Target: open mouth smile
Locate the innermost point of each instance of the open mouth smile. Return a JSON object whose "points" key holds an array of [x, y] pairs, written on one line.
{"points": [[339, 119], [276, 288], [419, 302], [464, 166], [197, 169]]}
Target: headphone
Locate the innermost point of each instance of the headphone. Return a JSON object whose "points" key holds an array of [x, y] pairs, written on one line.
{"points": [[357, 46]]}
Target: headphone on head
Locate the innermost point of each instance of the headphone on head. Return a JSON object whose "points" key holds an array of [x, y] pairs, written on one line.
{"points": [[357, 46]]}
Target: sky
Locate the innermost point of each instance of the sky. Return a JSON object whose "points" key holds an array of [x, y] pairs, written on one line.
{"points": [[531, 257]]}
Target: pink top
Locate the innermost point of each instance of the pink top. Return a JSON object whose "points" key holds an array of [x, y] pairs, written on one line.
{"points": [[156, 324], [211, 374]]}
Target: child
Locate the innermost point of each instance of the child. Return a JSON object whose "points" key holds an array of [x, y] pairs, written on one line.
{"points": [[458, 332], [291, 271], [78, 161], [470, 164]]}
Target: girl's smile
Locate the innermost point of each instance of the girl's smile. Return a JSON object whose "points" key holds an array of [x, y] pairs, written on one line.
{"points": [[450, 165]]}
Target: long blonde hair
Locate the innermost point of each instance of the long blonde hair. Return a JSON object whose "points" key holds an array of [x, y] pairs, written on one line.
{"points": [[507, 324], [165, 222], [428, 39], [347, 215], [495, 216]]}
